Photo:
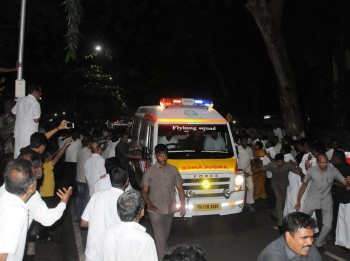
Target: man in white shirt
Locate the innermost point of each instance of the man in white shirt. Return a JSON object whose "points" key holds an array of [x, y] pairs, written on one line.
{"points": [[168, 139], [83, 189], [277, 145], [112, 143], [245, 155], [127, 240], [101, 211], [71, 159], [94, 168], [279, 133], [20, 184], [214, 142], [270, 154], [38, 209], [28, 112], [334, 146]]}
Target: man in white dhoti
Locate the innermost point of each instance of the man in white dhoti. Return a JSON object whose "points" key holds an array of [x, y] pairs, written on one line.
{"points": [[294, 181]]}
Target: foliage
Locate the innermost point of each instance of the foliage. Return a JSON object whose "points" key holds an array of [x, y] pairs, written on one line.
{"points": [[169, 48], [73, 10]]}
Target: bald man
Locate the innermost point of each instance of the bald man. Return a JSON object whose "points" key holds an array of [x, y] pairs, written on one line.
{"points": [[319, 194], [95, 171], [20, 183]]}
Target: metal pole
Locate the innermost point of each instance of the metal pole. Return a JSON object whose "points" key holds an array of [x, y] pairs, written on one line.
{"points": [[21, 40]]}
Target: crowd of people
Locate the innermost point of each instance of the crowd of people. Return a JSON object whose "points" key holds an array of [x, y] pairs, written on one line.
{"points": [[92, 162], [297, 175]]}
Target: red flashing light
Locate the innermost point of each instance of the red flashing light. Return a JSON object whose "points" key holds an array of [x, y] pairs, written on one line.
{"points": [[151, 117], [166, 102]]}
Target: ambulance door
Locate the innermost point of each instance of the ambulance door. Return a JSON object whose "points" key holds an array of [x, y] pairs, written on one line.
{"points": [[145, 134], [135, 132]]}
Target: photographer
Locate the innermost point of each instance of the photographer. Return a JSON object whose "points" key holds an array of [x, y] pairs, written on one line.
{"points": [[70, 165]]}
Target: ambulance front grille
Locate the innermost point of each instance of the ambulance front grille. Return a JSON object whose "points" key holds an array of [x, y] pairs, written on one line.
{"points": [[215, 189]]}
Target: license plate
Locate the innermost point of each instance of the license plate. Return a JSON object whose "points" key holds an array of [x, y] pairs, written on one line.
{"points": [[207, 207]]}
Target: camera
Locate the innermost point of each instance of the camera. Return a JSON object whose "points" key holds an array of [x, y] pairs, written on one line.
{"points": [[70, 125]]}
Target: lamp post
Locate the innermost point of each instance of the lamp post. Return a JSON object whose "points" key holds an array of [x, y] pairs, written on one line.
{"points": [[20, 83]]}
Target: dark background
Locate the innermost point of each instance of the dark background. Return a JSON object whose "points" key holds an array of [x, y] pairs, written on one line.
{"points": [[188, 48]]}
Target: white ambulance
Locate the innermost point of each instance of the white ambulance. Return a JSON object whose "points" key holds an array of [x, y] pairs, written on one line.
{"points": [[200, 145]]}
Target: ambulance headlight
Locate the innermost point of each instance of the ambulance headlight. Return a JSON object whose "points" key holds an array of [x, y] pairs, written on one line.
{"points": [[239, 182], [190, 193], [227, 193], [206, 184]]}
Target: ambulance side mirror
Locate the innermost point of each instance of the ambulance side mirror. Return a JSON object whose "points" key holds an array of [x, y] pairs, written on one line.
{"points": [[146, 155]]}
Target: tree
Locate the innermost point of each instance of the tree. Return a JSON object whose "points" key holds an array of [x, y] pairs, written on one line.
{"points": [[74, 10], [267, 15]]}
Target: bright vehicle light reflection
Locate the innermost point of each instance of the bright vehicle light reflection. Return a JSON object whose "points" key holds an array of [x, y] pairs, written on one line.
{"points": [[239, 180]]}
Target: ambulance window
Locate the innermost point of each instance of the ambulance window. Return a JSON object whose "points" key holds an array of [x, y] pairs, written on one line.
{"points": [[143, 141], [212, 140], [135, 130], [150, 138], [228, 143]]}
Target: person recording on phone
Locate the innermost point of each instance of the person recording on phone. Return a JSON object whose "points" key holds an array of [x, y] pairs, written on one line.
{"points": [[38, 141], [70, 165]]}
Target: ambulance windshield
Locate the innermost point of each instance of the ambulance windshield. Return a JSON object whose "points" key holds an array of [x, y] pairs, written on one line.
{"points": [[196, 140]]}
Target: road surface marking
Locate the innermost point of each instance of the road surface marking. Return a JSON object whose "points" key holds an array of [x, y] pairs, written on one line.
{"points": [[78, 239], [334, 256]]}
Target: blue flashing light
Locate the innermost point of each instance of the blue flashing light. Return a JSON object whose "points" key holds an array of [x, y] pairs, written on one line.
{"points": [[206, 103]]}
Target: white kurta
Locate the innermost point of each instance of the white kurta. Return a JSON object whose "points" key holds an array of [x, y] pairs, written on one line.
{"points": [[245, 155], [39, 211], [302, 166], [72, 151], [82, 156], [26, 110], [101, 213], [292, 189], [329, 154], [110, 151], [126, 241], [13, 226], [342, 232], [165, 141], [218, 144], [265, 160], [94, 168]]}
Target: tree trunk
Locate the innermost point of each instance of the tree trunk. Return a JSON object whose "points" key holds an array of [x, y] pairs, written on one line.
{"points": [[267, 15], [217, 72]]}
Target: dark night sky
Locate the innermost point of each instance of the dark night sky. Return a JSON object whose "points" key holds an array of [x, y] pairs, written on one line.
{"points": [[170, 48]]}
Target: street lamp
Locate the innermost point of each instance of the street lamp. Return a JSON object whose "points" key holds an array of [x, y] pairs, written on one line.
{"points": [[98, 48]]}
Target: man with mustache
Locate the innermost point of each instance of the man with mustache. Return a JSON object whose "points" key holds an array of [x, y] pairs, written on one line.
{"points": [[296, 241]]}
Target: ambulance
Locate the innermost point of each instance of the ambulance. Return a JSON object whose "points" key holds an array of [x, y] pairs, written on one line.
{"points": [[200, 145]]}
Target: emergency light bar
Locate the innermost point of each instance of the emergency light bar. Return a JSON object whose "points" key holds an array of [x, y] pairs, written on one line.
{"points": [[185, 102]]}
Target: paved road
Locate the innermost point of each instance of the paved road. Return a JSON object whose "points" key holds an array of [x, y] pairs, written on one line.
{"points": [[238, 237]]}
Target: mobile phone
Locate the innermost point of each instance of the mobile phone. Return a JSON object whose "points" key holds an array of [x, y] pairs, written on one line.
{"points": [[70, 125]]}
